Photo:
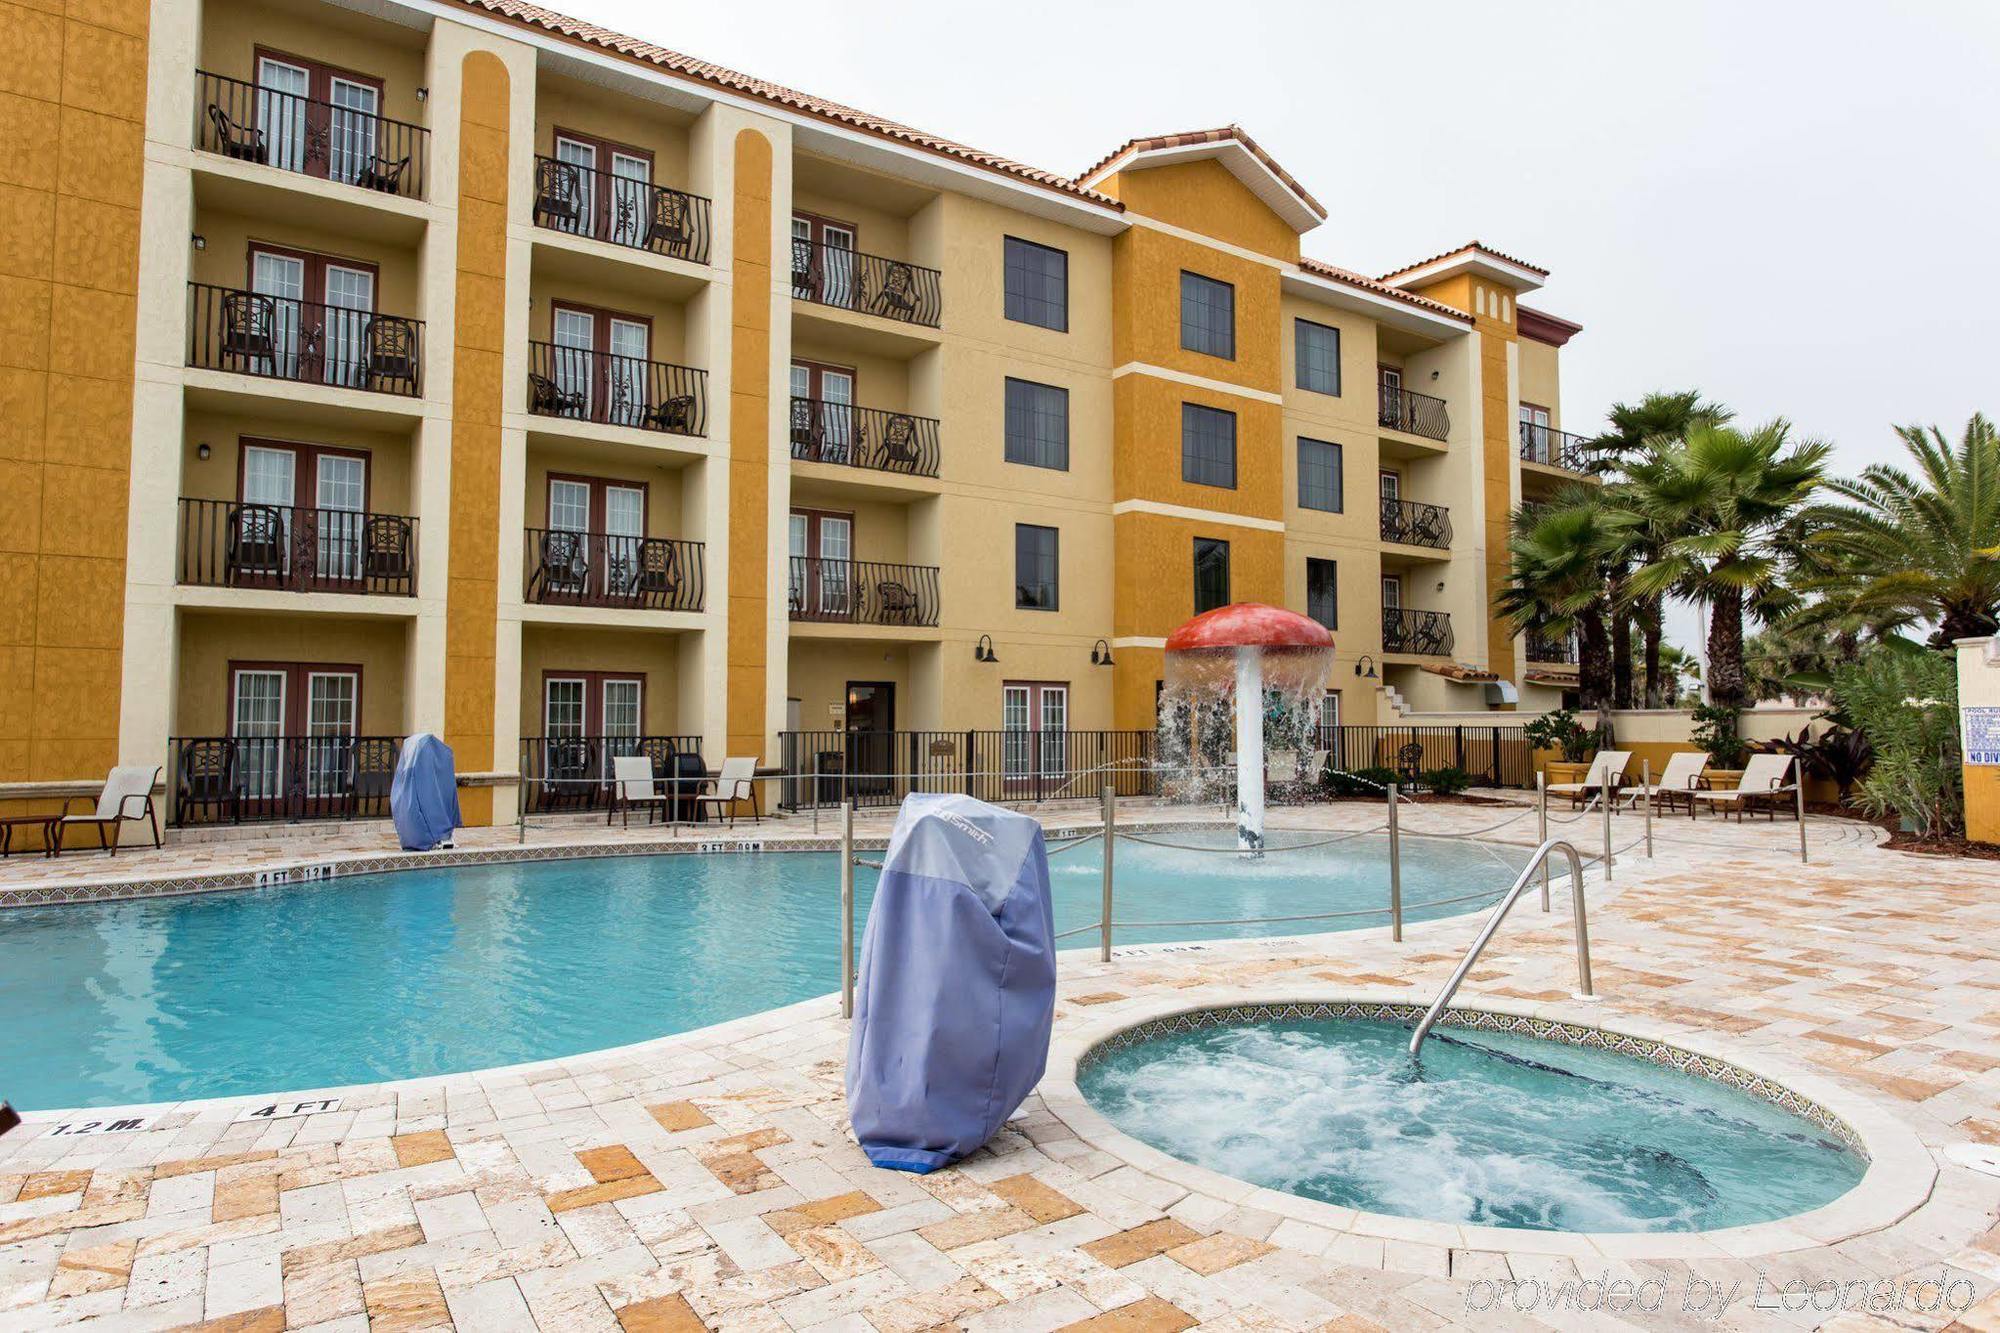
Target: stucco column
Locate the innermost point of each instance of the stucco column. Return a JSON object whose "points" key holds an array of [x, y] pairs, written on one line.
{"points": [[1979, 691]]}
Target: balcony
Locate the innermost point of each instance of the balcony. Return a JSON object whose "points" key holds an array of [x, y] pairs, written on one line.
{"points": [[1554, 448], [236, 544], [561, 773], [292, 133], [283, 338], [850, 280], [1413, 413], [1553, 648], [583, 201], [267, 779], [864, 437], [1427, 633], [602, 569], [863, 592], [579, 384], [1416, 524]]}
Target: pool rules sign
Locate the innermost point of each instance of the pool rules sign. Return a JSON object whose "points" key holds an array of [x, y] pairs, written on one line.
{"points": [[1980, 728]]}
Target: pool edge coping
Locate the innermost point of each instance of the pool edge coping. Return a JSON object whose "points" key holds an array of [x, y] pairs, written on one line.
{"points": [[1900, 1177]]}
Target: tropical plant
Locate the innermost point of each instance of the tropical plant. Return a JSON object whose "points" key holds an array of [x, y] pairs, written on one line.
{"points": [[1715, 732], [1363, 782], [1794, 658], [1841, 755], [1447, 781], [1917, 546], [1677, 669], [1907, 706], [1563, 559], [1721, 504], [1559, 731]]}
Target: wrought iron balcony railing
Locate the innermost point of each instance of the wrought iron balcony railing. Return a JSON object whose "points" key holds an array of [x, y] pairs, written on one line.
{"points": [[864, 437], [279, 337], [1413, 413], [863, 592], [1416, 524], [586, 385], [293, 133], [604, 206], [601, 569], [851, 280], [1407, 631], [239, 544], [1554, 448], [574, 772], [1545, 647], [263, 779]]}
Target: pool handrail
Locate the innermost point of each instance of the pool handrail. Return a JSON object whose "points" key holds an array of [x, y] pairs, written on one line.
{"points": [[1500, 910]]}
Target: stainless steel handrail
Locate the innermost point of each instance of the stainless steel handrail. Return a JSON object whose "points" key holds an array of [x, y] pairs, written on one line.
{"points": [[1506, 905]]}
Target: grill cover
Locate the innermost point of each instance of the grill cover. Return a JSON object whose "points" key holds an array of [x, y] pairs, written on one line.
{"points": [[423, 798], [957, 986]]}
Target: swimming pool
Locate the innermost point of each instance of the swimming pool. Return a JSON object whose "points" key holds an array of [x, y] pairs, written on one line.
{"points": [[413, 973]]}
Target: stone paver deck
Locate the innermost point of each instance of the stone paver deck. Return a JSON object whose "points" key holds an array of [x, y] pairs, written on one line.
{"points": [[710, 1179]]}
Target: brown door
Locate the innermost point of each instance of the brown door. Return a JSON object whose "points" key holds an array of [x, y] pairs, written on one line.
{"points": [[871, 734]]}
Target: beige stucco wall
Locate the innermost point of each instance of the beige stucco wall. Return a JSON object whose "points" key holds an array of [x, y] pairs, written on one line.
{"points": [[233, 30], [555, 649]]}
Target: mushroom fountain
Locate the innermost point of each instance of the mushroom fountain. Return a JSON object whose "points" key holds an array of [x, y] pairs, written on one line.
{"points": [[1271, 664]]}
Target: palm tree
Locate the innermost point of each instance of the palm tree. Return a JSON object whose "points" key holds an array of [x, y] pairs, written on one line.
{"points": [[1722, 503], [1638, 430], [1916, 548], [1561, 554]]}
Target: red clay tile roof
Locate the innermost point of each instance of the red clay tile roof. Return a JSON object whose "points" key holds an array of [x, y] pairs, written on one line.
{"points": [[1186, 138], [1320, 268], [1460, 672], [720, 77], [1459, 250]]}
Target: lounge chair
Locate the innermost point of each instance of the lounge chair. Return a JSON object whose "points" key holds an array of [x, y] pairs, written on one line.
{"points": [[1608, 765], [1683, 776], [127, 798], [632, 784], [1764, 778], [737, 782]]}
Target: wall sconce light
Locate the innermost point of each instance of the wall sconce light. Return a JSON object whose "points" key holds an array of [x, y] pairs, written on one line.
{"points": [[983, 650], [1369, 663], [1440, 585], [201, 451], [423, 94], [1100, 653], [200, 241], [1434, 376]]}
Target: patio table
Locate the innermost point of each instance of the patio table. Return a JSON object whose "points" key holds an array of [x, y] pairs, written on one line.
{"points": [[47, 824]]}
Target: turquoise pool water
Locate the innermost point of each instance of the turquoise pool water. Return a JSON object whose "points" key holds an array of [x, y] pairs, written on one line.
{"points": [[1486, 1128], [424, 972]]}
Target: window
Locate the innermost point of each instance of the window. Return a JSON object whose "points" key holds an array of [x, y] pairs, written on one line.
{"points": [[1208, 446], [1036, 573], [1208, 316], [1323, 592], [1037, 280], [1034, 717], [1317, 354], [1329, 711], [1319, 476], [1037, 425], [1211, 574]]}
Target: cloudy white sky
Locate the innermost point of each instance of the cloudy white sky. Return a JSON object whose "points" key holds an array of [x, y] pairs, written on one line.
{"points": [[1791, 206]]}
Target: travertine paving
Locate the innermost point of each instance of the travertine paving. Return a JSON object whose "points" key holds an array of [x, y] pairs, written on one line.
{"points": [[709, 1179]]}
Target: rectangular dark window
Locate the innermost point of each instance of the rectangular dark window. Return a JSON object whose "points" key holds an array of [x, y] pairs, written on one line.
{"points": [[1037, 580], [1037, 285], [1323, 592], [1319, 476], [1037, 424], [1208, 316], [1317, 349], [1208, 446], [1211, 574]]}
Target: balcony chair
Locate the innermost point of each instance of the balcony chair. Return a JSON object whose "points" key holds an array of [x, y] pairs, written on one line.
{"points": [[564, 568], [1607, 766], [249, 325], [549, 399], [205, 780], [805, 285], [567, 772], [127, 798], [1410, 765], [675, 415], [255, 551], [391, 350], [385, 550], [632, 784], [1764, 779], [896, 602], [689, 780], [898, 298], [379, 174], [558, 195], [245, 143], [736, 783], [669, 226], [658, 576], [899, 444], [1427, 527]]}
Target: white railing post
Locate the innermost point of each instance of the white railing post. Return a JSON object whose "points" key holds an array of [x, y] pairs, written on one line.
{"points": [[1646, 796], [846, 909], [1104, 922], [1395, 870], [1607, 825], [1799, 786], [1542, 826]]}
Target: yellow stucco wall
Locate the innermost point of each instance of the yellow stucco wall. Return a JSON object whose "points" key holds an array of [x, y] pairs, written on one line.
{"points": [[1146, 308], [1203, 196], [750, 444]]}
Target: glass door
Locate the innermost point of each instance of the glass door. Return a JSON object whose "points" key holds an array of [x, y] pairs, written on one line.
{"points": [[575, 337], [620, 703], [352, 127], [834, 542], [583, 157], [350, 302], [332, 700], [1052, 716], [1535, 432], [257, 721], [630, 198], [836, 257], [340, 497], [264, 519], [624, 534], [836, 391], [282, 90], [626, 371], [282, 278]]}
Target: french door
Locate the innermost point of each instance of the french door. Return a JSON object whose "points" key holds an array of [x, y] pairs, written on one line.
{"points": [[822, 547], [295, 725], [824, 425], [604, 523], [614, 199], [321, 309], [823, 264], [602, 359], [1034, 721], [584, 705], [1392, 593], [317, 119], [302, 511], [1535, 432]]}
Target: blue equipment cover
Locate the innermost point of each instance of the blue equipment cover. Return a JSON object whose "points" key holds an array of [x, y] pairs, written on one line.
{"points": [[423, 798], [957, 988]]}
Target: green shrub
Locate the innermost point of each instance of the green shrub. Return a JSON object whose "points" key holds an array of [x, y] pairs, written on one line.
{"points": [[1360, 782], [1715, 732], [1447, 781], [1907, 705], [1560, 731]]}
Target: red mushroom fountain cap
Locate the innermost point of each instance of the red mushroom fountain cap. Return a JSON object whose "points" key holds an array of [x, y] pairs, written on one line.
{"points": [[1249, 624]]}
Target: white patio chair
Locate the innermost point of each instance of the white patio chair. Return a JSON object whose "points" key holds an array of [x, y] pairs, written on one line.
{"points": [[737, 782], [1764, 778], [633, 786], [1683, 775], [127, 798], [1608, 765]]}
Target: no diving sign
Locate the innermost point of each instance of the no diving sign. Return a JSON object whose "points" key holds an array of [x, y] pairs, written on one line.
{"points": [[1981, 723]]}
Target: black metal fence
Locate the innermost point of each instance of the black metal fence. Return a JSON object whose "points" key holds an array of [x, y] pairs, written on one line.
{"points": [[586, 385], [604, 206], [863, 592], [269, 779], [892, 288], [1408, 631], [1414, 523], [1554, 448], [236, 544], [864, 437], [574, 773], [1414, 413], [293, 133], [281, 337], [880, 768], [1497, 756], [600, 569]]}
